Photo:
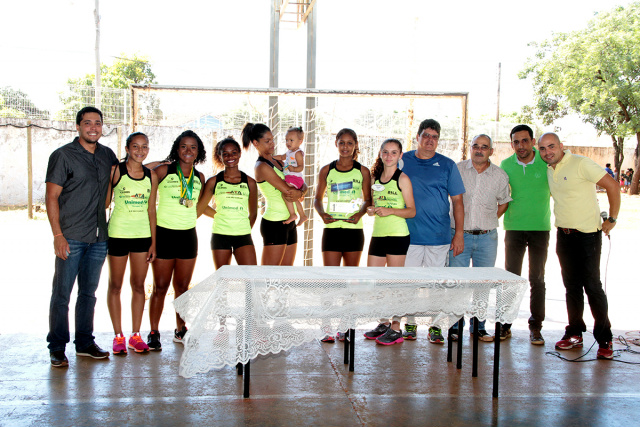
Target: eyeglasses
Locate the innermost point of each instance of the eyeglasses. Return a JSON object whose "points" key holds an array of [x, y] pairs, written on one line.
{"points": [[480, 147], [430, 136]]}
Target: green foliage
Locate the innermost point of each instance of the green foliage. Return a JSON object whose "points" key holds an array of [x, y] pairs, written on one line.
{"points": [[115, 104], [15, 103], [594, 72]]}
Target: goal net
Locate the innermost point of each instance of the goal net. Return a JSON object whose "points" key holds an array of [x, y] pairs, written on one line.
{"points": [[215, 113]]}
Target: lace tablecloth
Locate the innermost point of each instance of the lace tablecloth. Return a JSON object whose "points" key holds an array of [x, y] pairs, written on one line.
{"points": [[240, 312]]}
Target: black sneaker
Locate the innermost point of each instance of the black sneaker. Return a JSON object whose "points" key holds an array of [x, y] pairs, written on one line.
{"points": [[178, 336], [58, 359], [390, 337], [483, 335], [435, 335], [153, 341], [377, 332], [93, 351]]}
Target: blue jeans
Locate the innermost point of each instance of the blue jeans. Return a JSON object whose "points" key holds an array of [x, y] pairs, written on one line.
{"points": [[84, 262], [481, 250]]}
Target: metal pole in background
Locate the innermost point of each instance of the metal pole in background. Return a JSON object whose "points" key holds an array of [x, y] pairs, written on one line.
{"points": [[29, 172], [310, 147], [274, 59], [96, 14]]}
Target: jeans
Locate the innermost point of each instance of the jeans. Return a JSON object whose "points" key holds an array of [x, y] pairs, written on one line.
{"points": [[515, 244], [481, 250], [579, 255], [85, 262]]}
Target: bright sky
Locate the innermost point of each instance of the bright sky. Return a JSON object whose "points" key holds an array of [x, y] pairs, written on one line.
{"points": [[366, 44]]}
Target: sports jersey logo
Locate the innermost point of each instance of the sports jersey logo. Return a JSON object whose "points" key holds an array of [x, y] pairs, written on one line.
{"points": [[393, 193], [138, 196], [436, 164]]}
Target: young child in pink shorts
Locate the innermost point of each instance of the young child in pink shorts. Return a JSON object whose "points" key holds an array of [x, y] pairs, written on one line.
{"points": [[293, 168]]}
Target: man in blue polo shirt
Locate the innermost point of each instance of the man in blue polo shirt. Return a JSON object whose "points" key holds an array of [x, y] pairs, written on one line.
{"points": [[435, 179], [77, 181]]}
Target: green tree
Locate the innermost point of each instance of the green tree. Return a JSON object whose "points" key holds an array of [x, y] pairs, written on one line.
{"points": [[115, 104], [594, 72], [15, 103]]}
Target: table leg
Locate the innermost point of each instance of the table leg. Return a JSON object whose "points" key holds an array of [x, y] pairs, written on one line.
{"points": [[460, 341], [247, 378], [351, 337], [346, 347], [449, 346], [474, 369], [496, 360], [239, 367]]}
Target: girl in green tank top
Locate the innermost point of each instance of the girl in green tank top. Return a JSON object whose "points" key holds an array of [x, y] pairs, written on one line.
{"points": [[236, 204], [392, 204], [270, 179], [186, 152], [347, 185], [133, 221]]}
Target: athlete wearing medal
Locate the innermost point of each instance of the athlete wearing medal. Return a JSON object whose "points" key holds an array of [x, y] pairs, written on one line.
{"points": [[179, 185]]}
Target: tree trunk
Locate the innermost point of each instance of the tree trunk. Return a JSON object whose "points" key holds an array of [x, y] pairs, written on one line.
{"points": [[634, 181], [618, 146]]}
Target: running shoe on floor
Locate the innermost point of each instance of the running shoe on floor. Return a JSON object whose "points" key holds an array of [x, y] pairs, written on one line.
{"points": [[536, 337], [410, 332], [137, 344], [390, 337], [377, 332], [435, 336], [569, 341], [119, 345], [605, 351], [483, 335], [93, 351], [341, 336], [505, 333], [178, 335], [153, 341], [328, 339]]}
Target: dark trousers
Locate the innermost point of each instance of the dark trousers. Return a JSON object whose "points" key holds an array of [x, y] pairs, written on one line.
{"points": [[516, 243], [579, 255]]}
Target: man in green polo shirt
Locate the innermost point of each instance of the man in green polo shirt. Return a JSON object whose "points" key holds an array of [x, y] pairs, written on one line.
{"points": [[527, 223]]}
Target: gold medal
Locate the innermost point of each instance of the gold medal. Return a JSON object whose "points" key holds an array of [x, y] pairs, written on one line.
{"points": [[188, 203]]}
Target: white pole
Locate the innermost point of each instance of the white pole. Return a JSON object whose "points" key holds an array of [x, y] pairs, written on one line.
{"points": [[96, 14]]}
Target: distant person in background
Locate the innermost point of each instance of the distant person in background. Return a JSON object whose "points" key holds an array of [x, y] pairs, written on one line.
{"points": [[527, 223], [607, 168], [179, 189], [76, 188], [435, 179], [132, 236], [572, 181], [236, 207], [485, 199]]}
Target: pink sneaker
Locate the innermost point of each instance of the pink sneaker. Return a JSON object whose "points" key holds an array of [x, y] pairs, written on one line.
{"points": [[137, 344], [119, 345]]}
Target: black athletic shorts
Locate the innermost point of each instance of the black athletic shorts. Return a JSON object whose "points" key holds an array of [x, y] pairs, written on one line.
{"points": [[176, 244], [342, 240], [225, 241], [390, 245], [277, 233], [122, 247]]}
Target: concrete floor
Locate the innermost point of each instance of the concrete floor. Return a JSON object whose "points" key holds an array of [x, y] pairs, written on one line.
{"points": [[409, 384]]}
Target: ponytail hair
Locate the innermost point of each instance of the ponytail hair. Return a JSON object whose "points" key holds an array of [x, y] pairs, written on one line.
{"points": [[353, 135], [378, 166], [253, 132], [217, 158], [297, 130], [127, 143]]}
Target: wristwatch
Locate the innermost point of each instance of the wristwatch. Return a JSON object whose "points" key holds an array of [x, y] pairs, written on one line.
{"points": [[611, 220]]}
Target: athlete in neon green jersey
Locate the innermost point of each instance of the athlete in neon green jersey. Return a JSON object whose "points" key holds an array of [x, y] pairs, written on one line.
{"points": [[236, 207], [132, 236]]}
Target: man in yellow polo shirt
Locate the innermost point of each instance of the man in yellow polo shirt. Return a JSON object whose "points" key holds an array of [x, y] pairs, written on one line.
{"points": [[572, 181]]}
